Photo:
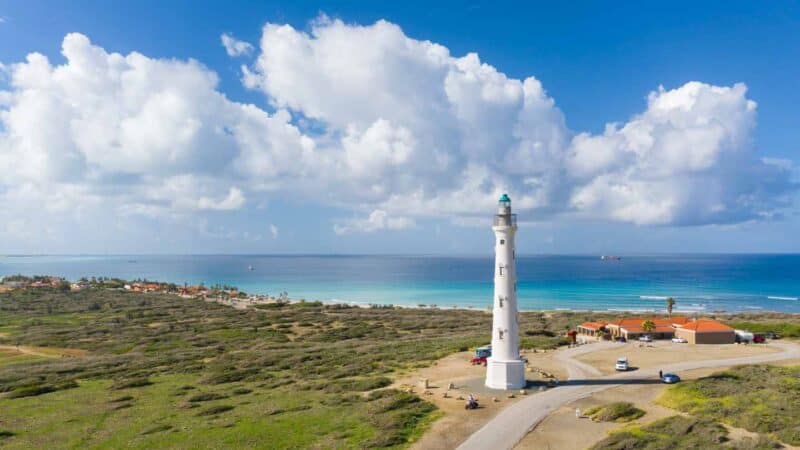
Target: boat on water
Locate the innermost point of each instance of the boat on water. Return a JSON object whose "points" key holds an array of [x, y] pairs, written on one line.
{"points": [[610, 258], [251, 268]]}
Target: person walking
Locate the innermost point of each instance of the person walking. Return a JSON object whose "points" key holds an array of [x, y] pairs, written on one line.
{"points": [[660, 374]]}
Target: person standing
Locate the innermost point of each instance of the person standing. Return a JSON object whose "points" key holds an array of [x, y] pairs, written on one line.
{"points": [[660, 374]]}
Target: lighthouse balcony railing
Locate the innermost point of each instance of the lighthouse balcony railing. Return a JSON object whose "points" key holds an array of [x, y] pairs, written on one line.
{"points": [[505, 220]]}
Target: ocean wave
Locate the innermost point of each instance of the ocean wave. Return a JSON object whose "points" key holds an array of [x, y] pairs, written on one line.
{"points": [[775, 297], [652, 297]]}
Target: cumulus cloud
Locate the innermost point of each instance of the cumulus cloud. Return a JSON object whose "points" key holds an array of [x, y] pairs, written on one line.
{"points": [[445, 135], [367, 120], [235, 47], [377, 220], [148, 135]]}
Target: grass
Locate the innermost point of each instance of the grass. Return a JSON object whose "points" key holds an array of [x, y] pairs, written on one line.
{"points": [[679, 432], [614, 412], [763, 399]]}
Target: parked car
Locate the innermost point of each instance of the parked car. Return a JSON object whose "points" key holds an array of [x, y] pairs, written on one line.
{"points": [[670, 378], [620, 339], [481, 353], [646, 338], [679, 340], [622, 364], [772, 335]]}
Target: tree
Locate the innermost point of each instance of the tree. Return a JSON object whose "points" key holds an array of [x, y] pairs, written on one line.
{"points": [[670, 305], [648, 326]]}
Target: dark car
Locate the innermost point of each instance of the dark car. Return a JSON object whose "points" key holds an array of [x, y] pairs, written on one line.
{"points": [[670, 378]]}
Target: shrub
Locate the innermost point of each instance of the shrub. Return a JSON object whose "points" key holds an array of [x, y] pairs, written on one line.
{"points": [[39, 389], [615, 412], [131, 383], [206, 396], [157, 428], [214, 410]]}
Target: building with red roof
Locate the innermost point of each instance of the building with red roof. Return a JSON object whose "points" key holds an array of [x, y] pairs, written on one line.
{"points": [[706, 331], [703, 331]]}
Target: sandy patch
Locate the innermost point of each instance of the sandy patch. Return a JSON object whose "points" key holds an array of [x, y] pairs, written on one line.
{"points": [[457, 424], [664, 353]]}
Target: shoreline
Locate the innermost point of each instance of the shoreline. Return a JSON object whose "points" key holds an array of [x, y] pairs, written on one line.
{"points": [[227, 294]]}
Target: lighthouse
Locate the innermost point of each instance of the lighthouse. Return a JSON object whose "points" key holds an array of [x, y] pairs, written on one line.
{"points": [[505, 369]]}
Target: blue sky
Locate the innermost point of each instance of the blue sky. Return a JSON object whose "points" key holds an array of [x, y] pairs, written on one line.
{"points": [[596, 64]]}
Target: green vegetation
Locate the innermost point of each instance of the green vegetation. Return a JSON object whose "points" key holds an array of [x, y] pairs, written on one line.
{"points": [[614, 412], [648, 326], [678, 432], [162, 371], [166, 371], [784, 329], [763, 399]]}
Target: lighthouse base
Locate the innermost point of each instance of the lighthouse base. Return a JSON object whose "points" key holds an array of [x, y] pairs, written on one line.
{"points": [[506, 375]]}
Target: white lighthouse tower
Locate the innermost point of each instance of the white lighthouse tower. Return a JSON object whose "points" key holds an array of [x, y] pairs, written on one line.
{"points": [[505, 369]]}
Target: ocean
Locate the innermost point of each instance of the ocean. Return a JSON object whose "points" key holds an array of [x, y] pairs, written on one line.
{"points": [[699, 283]]}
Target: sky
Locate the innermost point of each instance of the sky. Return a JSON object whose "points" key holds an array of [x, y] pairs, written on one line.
{"points": [[380, 127]]}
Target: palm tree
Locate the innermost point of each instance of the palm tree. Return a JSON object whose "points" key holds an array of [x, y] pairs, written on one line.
{"points": [[670, 304], [648, 326]]}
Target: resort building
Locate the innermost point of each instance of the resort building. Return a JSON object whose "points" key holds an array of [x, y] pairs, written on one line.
{"points": [[706, 331], [702, 331]]}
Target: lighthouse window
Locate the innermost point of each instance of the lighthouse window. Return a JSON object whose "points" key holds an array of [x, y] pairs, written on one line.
{"points": [[501, 270], [500, 334], [502, 241], [500, 299]]}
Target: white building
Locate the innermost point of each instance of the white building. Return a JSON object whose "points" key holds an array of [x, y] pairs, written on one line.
{"points": [[505, 369]]}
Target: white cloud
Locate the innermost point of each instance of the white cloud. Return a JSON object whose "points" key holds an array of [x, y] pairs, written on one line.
{"points": [[367, 120], [377, 220], [273, 231], [235, 47], [688, 159]]}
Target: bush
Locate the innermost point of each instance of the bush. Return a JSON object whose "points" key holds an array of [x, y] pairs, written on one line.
{"points": [[157, 428], [39, 389], [131, 383], [206, 396], [214, 410], [615, 412]]}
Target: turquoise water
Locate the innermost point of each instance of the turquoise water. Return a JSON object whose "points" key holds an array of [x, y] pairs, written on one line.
{"points": [[699, 283]]}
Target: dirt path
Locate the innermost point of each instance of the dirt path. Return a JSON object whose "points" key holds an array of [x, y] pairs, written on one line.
{"points": [[46, 352], [510, 425]]}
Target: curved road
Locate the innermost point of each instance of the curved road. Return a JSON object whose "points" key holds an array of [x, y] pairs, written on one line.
{"points": [[509, 426]]}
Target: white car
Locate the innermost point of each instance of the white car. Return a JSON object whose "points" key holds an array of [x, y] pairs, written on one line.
{"points": [[679, 340], [622, 364], [645, 338]]}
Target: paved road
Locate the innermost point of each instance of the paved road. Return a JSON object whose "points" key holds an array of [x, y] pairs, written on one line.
{"points": [[508, 427]]}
